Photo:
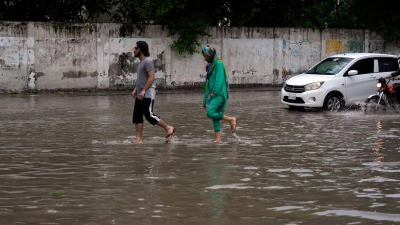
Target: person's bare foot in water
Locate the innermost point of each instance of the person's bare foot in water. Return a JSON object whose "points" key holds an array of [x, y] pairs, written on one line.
{"points": [[217, 141], [217, 137], [137, 141], [233, 124]]}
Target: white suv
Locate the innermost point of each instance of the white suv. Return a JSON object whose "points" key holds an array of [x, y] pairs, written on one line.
{"points": [[338, 80]]}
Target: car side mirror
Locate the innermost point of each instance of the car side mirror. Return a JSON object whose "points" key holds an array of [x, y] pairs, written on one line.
{"points": [[352, 72]]}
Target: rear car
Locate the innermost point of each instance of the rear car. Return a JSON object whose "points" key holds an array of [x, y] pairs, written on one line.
{"points": [[339, 80]]}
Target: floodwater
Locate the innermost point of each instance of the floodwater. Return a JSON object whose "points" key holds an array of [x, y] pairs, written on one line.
{"points": [[68, 160]]}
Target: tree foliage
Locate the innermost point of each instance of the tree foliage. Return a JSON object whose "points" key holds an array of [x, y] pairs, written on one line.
{"points": [[382, 17], [187, 20], [53, 10]]}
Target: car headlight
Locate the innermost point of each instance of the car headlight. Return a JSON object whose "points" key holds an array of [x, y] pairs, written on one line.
{"points": [[313, 85]]}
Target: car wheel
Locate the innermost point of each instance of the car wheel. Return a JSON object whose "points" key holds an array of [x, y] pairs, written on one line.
{"points": [[333, 103]]}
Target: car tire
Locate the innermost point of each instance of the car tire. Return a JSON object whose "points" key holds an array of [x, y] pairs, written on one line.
{"points": [[334, 102]]}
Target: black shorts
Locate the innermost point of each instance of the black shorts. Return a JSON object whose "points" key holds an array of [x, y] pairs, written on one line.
{"points": [[144, 108]]}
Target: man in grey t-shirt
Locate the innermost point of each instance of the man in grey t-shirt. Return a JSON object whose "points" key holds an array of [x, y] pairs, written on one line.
{"points": [[144, 94], [143, 68]]}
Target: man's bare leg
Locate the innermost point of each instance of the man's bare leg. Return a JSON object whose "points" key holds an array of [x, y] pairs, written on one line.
{"points": [[139, 133]]}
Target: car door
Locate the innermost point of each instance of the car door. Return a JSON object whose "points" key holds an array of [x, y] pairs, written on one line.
{"points": [[360, 86], [387, 66]]}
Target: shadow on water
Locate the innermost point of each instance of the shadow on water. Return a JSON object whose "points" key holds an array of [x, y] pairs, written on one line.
{"points": [[69, 160]]}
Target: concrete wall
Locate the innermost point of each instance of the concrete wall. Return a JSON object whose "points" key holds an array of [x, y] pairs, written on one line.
{"points": [[56, 56]]}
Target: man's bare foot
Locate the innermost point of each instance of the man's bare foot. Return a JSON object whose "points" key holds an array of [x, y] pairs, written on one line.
{"points": [[137, 141], [170, 134], [217, 141], [233, 124]]}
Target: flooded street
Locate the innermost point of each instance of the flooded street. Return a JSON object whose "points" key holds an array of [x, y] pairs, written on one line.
{"points": [[69, 160]]}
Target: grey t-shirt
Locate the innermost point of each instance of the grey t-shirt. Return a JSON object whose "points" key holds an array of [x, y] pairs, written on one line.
{"points": [[145, 66]]}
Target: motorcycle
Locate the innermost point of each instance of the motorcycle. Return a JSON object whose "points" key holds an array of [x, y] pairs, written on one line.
{"points": [[385, 98]]}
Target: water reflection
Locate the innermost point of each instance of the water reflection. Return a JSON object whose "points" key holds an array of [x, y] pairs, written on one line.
{"points": [[69, 160], [378, 143]]}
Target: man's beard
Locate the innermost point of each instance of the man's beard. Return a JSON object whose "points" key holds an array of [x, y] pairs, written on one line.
{"points": [[137, 54]]}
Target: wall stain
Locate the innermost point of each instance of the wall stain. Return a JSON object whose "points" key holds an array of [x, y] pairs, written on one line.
{"points": [[286, 74], [124, 66], [375, 46], [251, 71], [78, 74], [18, 28], [122, 72], [126, 30], [36, 75], [159, 63], [73, 29], [39, 74], [275, 76]]}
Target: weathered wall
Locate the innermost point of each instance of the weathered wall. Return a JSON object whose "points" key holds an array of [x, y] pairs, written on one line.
{"points": [[65, 56], [13, 55], [53, 56]]}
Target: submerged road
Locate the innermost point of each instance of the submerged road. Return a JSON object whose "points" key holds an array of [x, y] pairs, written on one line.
{"points": [[68, 159]]}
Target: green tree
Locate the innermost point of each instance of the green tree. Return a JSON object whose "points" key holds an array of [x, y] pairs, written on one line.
{"points": [[54, 10], [2, 6], [188, 19], [315, 14], [382, 17]]}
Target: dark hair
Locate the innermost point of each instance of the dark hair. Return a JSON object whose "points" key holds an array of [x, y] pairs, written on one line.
{"points": [[144, 48]]}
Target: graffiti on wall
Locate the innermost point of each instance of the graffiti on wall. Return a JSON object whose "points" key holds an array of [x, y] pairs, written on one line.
{"points": [[302, 48], [375, 46], [342, 46], [297, 57], [12, 53], [9, 59]]}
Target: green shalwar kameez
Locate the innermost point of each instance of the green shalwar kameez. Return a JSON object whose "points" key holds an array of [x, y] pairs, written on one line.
{"points": [[217, 83]]}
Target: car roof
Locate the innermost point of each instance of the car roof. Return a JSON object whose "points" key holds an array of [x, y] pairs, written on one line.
{"points": [[361, 55]]}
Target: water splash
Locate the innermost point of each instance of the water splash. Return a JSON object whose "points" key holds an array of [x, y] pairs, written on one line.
{"points": [[236, 136]]}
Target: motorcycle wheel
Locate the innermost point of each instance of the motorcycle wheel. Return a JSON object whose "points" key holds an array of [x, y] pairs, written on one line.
{"points": [[373, 105]]}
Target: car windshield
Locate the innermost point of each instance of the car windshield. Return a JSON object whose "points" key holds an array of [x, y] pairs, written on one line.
{"points": [[330, 66]]}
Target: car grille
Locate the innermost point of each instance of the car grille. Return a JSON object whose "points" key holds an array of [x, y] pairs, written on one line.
{"points": [[298, 100], [294, 89]]}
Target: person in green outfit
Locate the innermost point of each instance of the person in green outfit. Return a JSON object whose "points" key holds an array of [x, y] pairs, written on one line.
{"points": [[216, 91]]}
